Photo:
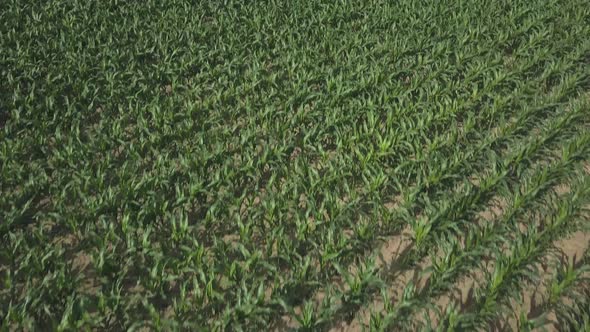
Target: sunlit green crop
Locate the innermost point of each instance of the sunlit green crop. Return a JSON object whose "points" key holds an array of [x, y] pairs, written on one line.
{"points": [[308, 165]]}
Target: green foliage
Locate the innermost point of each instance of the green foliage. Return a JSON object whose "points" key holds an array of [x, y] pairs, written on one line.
{"points": [[237, 165]]}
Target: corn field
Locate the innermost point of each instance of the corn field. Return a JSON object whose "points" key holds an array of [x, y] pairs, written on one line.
{"points": [[298, 165]]}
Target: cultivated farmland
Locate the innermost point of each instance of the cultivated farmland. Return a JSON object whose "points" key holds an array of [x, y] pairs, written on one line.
{"points": [[309, 165]]}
